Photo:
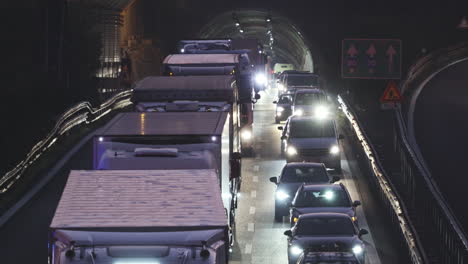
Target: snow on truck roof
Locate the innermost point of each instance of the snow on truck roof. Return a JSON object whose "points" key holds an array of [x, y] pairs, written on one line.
{"points": [[140, 199], [201, 88], [179, 59], [165, 124]]}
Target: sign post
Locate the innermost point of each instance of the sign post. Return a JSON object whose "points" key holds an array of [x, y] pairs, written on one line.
{"points": [[371, 59]]}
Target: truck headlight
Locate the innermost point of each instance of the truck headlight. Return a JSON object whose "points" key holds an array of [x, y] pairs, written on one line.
{"points": [[334, 150], [321, 112], [279, 109], [299, 112], [260, 78], [291, 151], [246, 135], [281, 195], [357, 249], [295, 250]]}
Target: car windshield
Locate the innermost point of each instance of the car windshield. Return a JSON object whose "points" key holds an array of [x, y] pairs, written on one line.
{"points": [[323, 198], [305, 174], [311, 129], [325, 227], [309, 98], [302, 80], [285, 99]]}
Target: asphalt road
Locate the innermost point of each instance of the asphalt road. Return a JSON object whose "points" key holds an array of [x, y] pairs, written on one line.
{"points": [[441, 129], [23, 239]]}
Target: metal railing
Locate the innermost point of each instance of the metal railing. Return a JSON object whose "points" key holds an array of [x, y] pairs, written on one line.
{"points": [[393, 202], [442, 235], [80, 113]]}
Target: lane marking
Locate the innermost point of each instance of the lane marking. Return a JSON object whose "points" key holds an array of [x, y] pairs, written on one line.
{"points": [[255, 179], [256, 168], [253, 194], [252, 210], [250, 227], [248, 249]]}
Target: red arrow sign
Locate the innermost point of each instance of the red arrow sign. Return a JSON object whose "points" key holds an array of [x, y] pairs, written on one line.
{"points": [[371, 51], [390, 53], [391, 94], [352, 51]]}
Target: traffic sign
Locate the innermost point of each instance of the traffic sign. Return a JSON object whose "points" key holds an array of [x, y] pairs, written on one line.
{"points": [[391, 94], [371, 58]]}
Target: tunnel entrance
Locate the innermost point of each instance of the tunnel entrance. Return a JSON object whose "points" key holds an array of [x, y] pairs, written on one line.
{"points": [[281, 39]]}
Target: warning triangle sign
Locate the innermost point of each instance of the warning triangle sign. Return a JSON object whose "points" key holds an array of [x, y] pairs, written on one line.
{"points": [[391, 94]]}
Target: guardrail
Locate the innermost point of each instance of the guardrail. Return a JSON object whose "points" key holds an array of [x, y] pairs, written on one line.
{"points": [[81, 113], [394, 205], [441, 230]]}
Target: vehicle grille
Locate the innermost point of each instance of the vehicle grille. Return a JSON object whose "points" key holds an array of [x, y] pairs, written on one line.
{"points": [[313, 152]]}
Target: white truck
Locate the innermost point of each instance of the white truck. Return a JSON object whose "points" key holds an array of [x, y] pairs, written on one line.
{"points": [[140, 216], [234, 65]]}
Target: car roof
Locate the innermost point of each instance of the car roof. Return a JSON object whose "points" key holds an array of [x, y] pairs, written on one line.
{"points": [[323, 215], [314, 90], [304, 164], [313, 187]]}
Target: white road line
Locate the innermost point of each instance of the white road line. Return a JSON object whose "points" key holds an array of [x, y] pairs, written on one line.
{"points": [[256, 168], [255, 179], [253, 194], [250, 227], [248, 249], [252, 210]]}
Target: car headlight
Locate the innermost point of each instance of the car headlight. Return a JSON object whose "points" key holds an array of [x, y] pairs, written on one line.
{"points": [[279, 109], [246, 135], [295, 250], [354, 218], [295, 219], [281, 195], [260, 78], [280, 87], [334, 150], [291, 151], [321, 112], [299, 112], [357, 249]]}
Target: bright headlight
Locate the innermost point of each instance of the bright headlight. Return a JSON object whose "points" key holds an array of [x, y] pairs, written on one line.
{"points": [[357, 249], [182, 50], [281, 195], [321, 112], [260, 78], [246, 135], [299, 112], [334, 150], [291, 151], [279, 109], [280, 87], [295, 250]]}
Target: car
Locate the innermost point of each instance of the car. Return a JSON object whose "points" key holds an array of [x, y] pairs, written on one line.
{"points": [[297, 80], [283, 107], [311, 257], [320, 198], [306, 138], [311, 102], [325, 232], [292, 177]]}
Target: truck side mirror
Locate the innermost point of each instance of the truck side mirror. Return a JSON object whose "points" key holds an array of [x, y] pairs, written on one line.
{"points": [[363, 232], [335, 178], [356, 203], [257, 96], [280, 128], [288, 233], [274, 180]]}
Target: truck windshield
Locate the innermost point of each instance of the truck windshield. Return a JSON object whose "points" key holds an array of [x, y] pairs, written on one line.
{"points": [[325, 227], [302, 80], [309, 98], [312, 129], [305, 174], [322, 198]]}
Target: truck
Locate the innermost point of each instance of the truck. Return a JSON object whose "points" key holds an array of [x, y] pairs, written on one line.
{"points": [[234, 65], [204, 45], [258, 60], [140, 216]]}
